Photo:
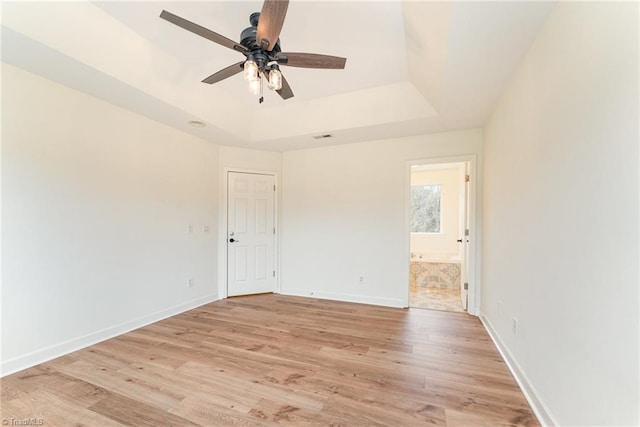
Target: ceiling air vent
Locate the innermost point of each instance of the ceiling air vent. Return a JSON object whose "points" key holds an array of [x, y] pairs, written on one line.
{"points": [[324, 136]]}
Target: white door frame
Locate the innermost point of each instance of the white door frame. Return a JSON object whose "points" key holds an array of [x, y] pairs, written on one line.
{"points": [[222, 228], [474, 277]]}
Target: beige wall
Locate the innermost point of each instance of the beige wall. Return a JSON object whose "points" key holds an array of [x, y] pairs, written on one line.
{"points": [[344, 212], [561, 215], [96, 204]]}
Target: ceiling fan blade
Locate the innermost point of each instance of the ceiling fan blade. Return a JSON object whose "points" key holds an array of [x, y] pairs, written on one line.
{"points": [[312, 60], [231, 70], [202, 31], [270, 23], [285, 92]]}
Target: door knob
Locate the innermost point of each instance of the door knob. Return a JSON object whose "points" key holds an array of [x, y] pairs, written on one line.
{"points": [[459, 240], [233, 240]]}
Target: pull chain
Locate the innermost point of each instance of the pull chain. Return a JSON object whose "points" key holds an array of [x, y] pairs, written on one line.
{"points": [[261, 99]]}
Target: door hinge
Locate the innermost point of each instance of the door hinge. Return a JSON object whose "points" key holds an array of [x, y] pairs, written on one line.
{"points": [[274, 230], [274, 187], [467, 178], [466, 232], [274, 273], [466, 286]]}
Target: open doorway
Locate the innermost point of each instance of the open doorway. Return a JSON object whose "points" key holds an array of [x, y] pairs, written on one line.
{"points": [[439, 218]]}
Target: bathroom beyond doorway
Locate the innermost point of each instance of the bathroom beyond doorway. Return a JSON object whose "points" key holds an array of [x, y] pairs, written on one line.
{"points": [[438, 236]]}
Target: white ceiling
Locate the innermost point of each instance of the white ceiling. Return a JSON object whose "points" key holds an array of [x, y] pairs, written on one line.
{"points": [[412, 67]]}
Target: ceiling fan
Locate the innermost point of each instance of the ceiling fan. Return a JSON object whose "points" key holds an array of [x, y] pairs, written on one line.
{"points": [[260, 45]]}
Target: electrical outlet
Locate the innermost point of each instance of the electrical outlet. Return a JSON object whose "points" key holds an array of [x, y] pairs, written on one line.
{"points": [[190, 229], [514, 326], [361, 280], [499, 308], [205, 228], [190, 283]]}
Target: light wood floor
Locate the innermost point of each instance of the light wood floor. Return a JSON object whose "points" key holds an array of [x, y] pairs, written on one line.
{"points": [[266, 359]]}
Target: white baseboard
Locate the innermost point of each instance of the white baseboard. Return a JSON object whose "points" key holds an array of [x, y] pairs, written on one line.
{"points": [[539, 408], [361, 299], [19, 363]]}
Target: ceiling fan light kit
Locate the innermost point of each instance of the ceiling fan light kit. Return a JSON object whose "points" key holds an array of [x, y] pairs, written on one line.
{"points": [[250, 69], [275, 78], [260, 45]]}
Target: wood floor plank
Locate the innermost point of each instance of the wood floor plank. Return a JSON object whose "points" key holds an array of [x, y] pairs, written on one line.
{"points": [[201, 409], [266, 360], [53, 409], [131, 412], [252, 387], [115, 381], [277, 413]]}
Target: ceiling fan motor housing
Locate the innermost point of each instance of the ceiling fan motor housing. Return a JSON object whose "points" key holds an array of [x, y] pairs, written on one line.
{"points": [[248, 35]]}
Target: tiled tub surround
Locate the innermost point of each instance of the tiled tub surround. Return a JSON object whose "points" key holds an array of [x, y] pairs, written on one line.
{"points": [[442, 275], [435, 285]]}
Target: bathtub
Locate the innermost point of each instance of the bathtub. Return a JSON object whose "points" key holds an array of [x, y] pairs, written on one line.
{"points": [[428, 271], [427, 257]]}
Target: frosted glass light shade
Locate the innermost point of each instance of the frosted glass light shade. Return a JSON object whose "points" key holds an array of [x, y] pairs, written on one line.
{"points": [[254, 86], [250, 71], [275, 80]]}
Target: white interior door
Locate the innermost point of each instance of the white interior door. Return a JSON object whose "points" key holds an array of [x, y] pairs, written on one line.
{"points": [[464, 283], [250, 233]]}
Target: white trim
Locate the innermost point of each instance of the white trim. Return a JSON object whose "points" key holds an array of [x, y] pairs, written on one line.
{"points": [[541, 410], [48, 353], [360, 299], [222, 228], [474, 250]]}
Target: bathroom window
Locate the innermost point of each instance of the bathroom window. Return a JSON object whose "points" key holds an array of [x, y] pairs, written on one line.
{"points": [[425, 208]]}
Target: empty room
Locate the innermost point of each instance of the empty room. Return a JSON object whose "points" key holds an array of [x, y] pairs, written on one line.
{"points": [[328, 213]]}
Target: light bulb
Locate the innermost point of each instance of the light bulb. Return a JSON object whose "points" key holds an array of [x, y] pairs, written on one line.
{"points": [[275, 79], [254, 86], [250, 70]]}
